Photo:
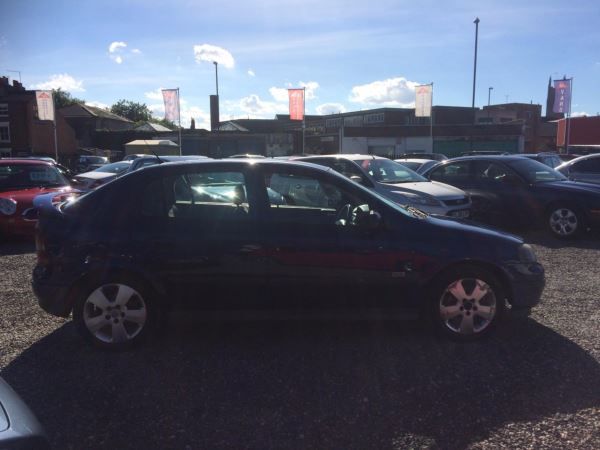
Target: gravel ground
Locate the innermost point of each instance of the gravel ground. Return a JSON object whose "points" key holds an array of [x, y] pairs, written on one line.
{"points": [[318, 384]]}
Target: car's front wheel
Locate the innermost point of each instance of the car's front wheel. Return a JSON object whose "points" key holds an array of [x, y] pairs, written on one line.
{"points": [[467, 303], [115, 313], [565, 222]]}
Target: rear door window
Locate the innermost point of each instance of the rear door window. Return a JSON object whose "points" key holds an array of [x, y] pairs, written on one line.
{"points": [[452, 173]]}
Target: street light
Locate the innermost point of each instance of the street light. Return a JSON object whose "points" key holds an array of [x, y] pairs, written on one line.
{"points": [[476, 22], [489, 94], [216, 75]]}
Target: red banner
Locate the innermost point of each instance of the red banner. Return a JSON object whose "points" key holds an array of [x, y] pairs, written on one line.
{"points": [[171, 99], [296, 97]]}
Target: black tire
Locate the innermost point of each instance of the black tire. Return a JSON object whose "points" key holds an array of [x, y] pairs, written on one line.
{"points": [[451, 315], [565, 221], [108, 306]]}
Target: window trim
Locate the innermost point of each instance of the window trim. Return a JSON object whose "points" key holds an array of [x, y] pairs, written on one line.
{"points": [[7, 125], [3, 109]]}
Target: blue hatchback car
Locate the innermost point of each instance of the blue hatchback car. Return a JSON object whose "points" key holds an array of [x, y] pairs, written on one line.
{"points": [[267, 235]]}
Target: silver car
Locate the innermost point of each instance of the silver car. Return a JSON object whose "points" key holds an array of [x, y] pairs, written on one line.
{"points": [[398, 183], [585, 169]]}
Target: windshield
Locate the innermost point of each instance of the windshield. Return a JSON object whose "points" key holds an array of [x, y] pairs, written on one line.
{"points": [[536, 172], [386, 171], [23, 176], [117, 167]]}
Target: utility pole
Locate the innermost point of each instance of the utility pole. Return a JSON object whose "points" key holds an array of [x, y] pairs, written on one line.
{"points": [[489, 94], [476, 22]]}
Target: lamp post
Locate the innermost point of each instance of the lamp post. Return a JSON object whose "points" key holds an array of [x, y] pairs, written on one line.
{"points": [[489, 94], [216, 75], [476, 22]]}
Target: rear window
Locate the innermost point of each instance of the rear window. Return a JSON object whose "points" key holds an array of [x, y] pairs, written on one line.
{"points": [[23, 176]]}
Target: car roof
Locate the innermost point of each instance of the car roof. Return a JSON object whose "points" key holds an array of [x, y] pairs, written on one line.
{"points": [[25, 161], [501, 158], [416, 160], [239, 162], [351, 157], [581, 158]]}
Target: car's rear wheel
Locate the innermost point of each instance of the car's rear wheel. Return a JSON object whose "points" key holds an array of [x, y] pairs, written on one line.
{"points": [[115, 313], [565, 222], [467, 303]]}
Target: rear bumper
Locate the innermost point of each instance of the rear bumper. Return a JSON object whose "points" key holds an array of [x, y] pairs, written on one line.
{"points": [[527, 284]]}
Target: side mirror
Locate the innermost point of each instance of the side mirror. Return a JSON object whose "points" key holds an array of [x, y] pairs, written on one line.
{"points": [[357, 178], [373, 220], [366, 218]]}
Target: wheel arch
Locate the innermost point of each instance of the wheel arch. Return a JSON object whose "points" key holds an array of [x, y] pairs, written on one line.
{"points": [[99, 274], [495, 270]]}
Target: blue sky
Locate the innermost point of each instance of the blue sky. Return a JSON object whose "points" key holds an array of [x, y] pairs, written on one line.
{"points": [[350, 55]]}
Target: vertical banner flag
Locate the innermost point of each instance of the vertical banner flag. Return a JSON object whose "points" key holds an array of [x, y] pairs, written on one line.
{"points": [[562, 96], [296, 97], [423, 100], [171, 99], [45, 105]]}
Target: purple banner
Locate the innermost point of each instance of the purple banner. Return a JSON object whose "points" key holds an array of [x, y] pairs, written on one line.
{"points": [[562, 96]]}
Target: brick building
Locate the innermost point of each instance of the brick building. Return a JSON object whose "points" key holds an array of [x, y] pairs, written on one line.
{"points": [[22, 133]]}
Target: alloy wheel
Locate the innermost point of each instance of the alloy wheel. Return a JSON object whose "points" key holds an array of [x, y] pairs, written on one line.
{"points": [[467, 306], [563, 222], [114, 313]]}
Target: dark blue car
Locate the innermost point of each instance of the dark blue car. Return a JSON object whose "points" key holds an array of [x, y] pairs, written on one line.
{"points": [[519, 192], [268, 236]]}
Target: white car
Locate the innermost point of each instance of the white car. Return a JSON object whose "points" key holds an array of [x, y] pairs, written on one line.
{"points": [[398, 183], [102, 175]]}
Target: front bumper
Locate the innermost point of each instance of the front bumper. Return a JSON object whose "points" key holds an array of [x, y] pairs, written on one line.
{"points": [[52, 297], [527, 282]]}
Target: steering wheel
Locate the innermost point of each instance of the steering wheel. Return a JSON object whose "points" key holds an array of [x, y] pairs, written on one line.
{"points": [[343, 214], [358, 213]]}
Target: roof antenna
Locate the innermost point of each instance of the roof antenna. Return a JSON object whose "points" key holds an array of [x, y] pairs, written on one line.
{"points": [[157, 157]]}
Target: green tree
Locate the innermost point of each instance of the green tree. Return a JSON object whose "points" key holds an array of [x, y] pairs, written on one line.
{"points": [[164, 122], [64, 98], [136, 112]]}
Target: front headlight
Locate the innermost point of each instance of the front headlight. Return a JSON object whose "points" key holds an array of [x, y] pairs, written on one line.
{"points": [[417, 199], [526, 254], [8, 206]]}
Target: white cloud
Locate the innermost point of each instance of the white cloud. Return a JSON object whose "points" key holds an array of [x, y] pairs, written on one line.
{"points": [[63, 81], [330, 108], [311, 87], [136, 51], [398, 92], [115, 46], [98, 105], [115, 51], [212, 53], [188, 111], [253, 107], [155, 95], [579, 114], [281, 94], [251, 73]]}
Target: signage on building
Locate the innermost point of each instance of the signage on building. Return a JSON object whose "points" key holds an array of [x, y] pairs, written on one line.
{"points": [[562, 96], [45, 105]]}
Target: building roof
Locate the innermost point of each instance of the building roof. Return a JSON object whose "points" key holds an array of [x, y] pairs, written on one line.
{"points": [[152, 143], [82, 110], [150, 126]]}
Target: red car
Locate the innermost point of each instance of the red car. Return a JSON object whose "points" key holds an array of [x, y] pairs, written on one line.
{"points": [[20, 181]]}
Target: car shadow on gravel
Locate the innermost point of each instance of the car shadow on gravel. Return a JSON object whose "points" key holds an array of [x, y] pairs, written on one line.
{"points": [[590, 240], [17, 247], [301, 384]]}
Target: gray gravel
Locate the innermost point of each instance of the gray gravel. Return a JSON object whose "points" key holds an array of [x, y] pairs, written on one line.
{"points": [[318, 384]]}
